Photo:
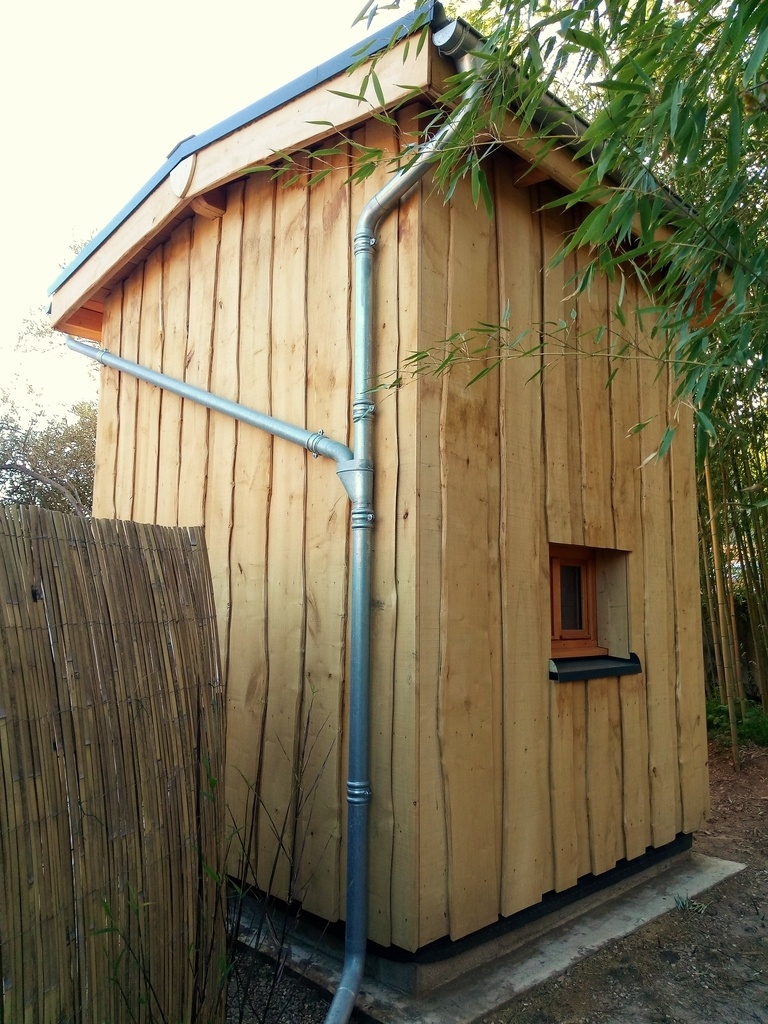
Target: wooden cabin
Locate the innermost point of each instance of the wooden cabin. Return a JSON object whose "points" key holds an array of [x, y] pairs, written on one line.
{"points": [[522, 526]]}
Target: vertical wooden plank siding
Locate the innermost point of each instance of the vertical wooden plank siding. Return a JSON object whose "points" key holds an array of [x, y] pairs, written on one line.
{"points": [[625, 415], [578, 720], [126, 434], [593, 374], [602, 739], [564, 497], [175, 305], [604, 775], [527, 871], [405, 712], [197, 361], [689, 667], [247, 678], [286, 583], [108, 420], [433, 328], [658, 613], [148, 398], [564, 519], [470, 636], [562, 788], [222, 429], [318, 843]]}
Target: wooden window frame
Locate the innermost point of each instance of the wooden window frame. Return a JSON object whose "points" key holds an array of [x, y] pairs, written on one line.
{"points": [[581, 643]]}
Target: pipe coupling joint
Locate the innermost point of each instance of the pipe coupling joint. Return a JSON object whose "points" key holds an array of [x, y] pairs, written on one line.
{"points": [[358, 792], [364, 242], [363, 517], [313, 441], [362, 409]]}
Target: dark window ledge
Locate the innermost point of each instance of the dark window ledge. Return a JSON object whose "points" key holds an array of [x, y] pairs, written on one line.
{"points": [[568, 670]]}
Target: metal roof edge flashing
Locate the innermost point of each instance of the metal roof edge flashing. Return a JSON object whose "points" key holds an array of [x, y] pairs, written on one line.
{"points": [[293, 89]]}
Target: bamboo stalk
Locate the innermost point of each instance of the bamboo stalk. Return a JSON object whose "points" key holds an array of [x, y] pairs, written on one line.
{"points": [[756, 580], [722, 613], [730, 587], [714, 635]]}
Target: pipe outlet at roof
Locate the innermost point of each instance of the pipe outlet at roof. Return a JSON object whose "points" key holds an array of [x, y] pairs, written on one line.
{"points": [[456, 39]]}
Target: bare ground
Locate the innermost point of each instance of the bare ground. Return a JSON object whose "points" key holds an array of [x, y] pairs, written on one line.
{"points": [[705, 962]]}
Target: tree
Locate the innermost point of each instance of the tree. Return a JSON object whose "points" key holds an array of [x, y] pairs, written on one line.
{"points": [[674, 94], [45, 459], [48, 462]]}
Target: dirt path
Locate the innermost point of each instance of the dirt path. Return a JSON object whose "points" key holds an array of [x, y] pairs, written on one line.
{"points": [[705, 963]]}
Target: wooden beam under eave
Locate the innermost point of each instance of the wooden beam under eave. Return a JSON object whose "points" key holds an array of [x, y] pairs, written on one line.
{"points": [[212, 205], [526, 175], [83, 323]]}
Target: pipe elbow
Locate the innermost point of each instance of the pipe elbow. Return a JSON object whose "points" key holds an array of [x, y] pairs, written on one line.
{"points": [[345, 997]]}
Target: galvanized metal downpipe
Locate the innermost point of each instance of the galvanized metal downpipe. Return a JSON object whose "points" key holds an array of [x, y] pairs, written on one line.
{"points": [[456, 40], [315, 442]]}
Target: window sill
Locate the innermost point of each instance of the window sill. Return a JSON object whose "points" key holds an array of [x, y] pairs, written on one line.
{"points": [[568, 670]]}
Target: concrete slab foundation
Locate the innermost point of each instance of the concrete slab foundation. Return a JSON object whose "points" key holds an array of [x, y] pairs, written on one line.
{"points": [[462, 989]]}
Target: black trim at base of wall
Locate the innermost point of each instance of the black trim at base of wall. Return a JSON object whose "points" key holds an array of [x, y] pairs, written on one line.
{"points": [[444, 949]]}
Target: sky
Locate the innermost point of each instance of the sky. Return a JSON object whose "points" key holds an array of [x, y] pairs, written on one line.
{"points": [[94, 97]]}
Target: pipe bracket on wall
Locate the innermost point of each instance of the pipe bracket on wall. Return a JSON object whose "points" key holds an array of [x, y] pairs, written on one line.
{"points": [[362, 409]]}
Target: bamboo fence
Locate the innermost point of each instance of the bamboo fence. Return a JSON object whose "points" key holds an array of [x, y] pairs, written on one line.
{"points": [[111, 742]]}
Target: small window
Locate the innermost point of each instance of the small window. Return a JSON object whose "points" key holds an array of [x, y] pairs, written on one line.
{"points": [[574, 602]]}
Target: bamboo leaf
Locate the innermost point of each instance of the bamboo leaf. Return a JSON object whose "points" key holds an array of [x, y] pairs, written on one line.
{"points": [[648, 459], [674, 108], [486, 192], [588, 41], [367, 12], [734, 135], [319, 175], [706, 423], [483, 373], [378, 89], [638, 427], [616, 85], [358, 97], [666, 441], [758, 53], [474, 177]]}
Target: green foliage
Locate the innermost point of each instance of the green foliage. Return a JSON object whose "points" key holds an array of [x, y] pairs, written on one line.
{"points": [[752, 728], [689, 906]]}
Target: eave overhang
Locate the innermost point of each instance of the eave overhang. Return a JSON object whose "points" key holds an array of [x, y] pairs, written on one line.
{"points": [[289, 119]]}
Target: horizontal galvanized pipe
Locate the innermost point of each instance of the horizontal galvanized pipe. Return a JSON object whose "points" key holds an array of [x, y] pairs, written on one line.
{"points": [[315, 442]]}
